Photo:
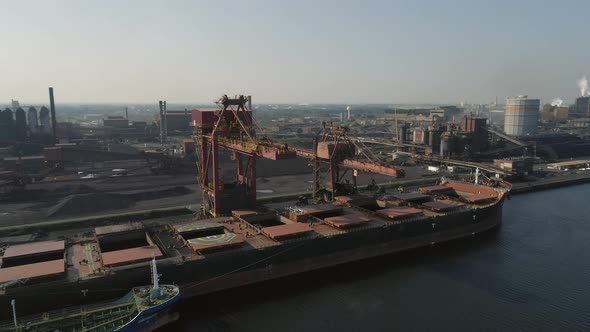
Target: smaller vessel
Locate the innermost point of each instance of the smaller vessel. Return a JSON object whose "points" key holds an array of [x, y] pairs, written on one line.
{"points": [[142, 309]]}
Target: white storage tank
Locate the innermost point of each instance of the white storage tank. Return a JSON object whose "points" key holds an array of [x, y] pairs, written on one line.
{"points": [[521, 116]]}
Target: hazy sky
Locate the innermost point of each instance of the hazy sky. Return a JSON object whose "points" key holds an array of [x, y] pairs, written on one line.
{"points": [[293, 51]]}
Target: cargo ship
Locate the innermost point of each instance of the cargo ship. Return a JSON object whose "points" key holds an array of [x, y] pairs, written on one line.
{"points": [[202, 256], [138, 311]]}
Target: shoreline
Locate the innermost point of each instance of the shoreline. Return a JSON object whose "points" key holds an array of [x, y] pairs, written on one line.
{"points": [[520, 188]]}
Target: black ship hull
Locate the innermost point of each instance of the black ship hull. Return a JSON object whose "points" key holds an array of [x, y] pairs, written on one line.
{"points": [[226, 270]]}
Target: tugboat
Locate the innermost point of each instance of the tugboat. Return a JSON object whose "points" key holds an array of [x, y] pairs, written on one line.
{"points": [[142, 309]]}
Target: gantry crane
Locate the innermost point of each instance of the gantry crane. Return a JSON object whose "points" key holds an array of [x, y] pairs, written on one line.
{"points": [[335, 151], [233, 127]]}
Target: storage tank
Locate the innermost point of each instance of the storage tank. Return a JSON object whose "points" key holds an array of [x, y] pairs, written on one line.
{"points": [[20, 124], [521, 116], [32, 119], [44, 121]]}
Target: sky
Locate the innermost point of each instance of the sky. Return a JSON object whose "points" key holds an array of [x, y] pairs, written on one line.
{"points": [[371, 51]]}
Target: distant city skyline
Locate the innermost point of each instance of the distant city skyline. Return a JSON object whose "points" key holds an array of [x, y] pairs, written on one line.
{"points": [[345, 52]]}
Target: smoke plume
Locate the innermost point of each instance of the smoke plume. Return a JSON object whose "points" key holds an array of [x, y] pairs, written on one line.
{"points": [[557, 102], [583, 84]]}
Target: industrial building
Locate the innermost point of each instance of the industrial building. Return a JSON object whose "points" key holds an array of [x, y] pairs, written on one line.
{"points": [[521, 116], [582, 107], [516, 166], [178, 121], [32, 119], [552, 113], [116, 122], [579, 123], [570, 164], [441, 114]]}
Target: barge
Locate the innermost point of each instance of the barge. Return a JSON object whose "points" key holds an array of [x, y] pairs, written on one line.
{"points": [[249, 246]]}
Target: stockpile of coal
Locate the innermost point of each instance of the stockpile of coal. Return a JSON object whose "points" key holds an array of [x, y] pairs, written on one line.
{"points": [[82, 204], [89, 203]]}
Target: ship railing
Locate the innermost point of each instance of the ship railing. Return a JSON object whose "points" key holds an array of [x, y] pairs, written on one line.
{"points": [[68, 312]]}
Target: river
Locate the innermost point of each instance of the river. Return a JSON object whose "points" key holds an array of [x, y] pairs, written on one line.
{"points": [[532, 274]]}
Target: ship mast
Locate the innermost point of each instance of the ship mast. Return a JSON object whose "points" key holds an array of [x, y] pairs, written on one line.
{"points": [[13, 304], [155, 279]]}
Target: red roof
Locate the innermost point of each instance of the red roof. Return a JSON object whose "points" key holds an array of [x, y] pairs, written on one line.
{"points": [[279, 231], [33, 248], [399, 212], [129, 256], [36, 270], [346, 220]]}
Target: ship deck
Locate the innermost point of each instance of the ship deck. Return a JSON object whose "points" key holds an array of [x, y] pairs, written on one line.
{"points": [[99, 251]]}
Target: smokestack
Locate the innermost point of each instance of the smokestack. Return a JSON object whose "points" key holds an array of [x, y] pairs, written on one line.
{"points": [[556, 102], [53, 119], [341, 117], [126, 114], [348, 110], [165, 121], [583, 84], [161, 122]]}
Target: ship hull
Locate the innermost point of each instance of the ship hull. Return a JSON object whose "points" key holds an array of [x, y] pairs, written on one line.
{"points": [[278, 268], [148, 319], [226, 270]]}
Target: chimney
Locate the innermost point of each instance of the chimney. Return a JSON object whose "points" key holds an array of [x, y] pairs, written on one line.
{"points": [[126, 114], [53, 119], [161, 122], [165, 121]]}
